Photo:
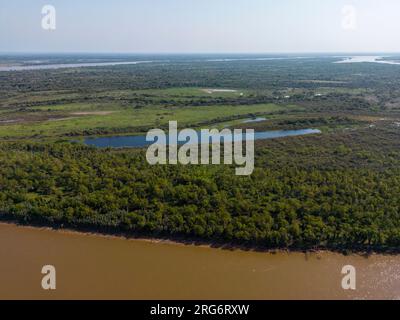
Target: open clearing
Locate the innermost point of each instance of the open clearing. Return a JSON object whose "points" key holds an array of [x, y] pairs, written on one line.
{"points": [[94, 113], [128, 120]]}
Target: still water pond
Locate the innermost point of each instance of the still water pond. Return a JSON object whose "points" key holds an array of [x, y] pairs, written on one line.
{"points": [[140, 140]]}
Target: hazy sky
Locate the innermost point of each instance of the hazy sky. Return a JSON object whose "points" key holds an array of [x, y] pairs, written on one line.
{"points": [[209, 26]]}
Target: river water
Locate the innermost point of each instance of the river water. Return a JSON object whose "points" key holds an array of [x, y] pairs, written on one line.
{"points": [[68, 65], [354, 59], [371, 59], [99, 267]]}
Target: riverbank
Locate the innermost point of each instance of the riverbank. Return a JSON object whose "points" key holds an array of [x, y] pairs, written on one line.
{"points": [[178, 241], [115, 233]]}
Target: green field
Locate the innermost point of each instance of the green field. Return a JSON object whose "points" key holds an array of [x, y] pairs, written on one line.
{"points": [[38, 118]]}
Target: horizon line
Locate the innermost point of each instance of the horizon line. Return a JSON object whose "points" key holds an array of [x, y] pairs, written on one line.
{"points": [[200, 53]]}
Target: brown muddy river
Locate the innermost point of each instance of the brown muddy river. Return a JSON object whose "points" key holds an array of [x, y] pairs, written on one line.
{"points": [[97, 267]]}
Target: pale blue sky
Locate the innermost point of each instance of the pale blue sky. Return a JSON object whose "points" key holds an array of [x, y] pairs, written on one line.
{"points": [[202, 26]]}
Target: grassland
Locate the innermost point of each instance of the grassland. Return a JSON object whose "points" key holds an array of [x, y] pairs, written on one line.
{"points": [[34, 117], [74, 119]]}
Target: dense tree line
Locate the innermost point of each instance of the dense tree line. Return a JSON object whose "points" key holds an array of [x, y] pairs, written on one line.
{"points": [[336, 191]]}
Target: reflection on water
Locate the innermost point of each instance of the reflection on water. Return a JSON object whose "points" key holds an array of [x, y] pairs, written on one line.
{"points": [[140, 141], [90, 267]]}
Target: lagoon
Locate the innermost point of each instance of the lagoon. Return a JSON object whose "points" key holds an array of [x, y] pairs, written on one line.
{"points": [[139, 141]]}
